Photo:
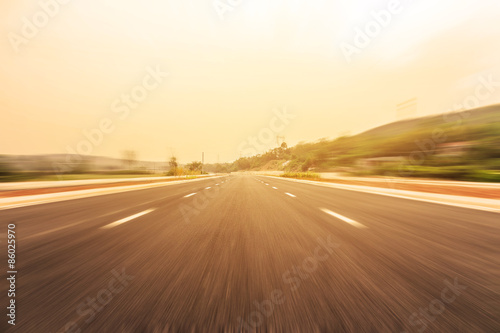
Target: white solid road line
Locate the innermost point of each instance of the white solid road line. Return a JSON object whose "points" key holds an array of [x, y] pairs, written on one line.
{"points": [[114, 224], [275, 188], [189, 195], [343, 218], [290, 194]]}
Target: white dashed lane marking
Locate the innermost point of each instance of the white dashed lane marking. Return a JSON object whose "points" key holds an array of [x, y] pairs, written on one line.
{"points": [[343, 218], [116, 223]]}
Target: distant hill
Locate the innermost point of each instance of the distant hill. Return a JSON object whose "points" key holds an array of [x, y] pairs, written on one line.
{"points": [[479, 116], [458, 145]]}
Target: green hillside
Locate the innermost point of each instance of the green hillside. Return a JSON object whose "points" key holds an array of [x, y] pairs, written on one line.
{"points": [[460, 145]]}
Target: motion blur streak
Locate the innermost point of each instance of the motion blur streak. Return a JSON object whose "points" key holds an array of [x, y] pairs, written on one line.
{"points": [[428, 266]]}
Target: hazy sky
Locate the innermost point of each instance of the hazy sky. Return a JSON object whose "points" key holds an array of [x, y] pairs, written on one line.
{"points": [[229, 68]]}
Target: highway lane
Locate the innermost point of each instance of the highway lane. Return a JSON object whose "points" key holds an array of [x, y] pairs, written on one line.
{"points": [[236, 254], [63, 213]]}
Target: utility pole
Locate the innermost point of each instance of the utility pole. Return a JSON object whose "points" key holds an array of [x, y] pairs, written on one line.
{"points": [[202, 161]]}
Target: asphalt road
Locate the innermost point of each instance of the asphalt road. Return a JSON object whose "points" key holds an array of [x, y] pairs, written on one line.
{"points": [[251, 253]]}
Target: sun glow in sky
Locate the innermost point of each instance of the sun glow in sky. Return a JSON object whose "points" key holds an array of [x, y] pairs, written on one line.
{"points": [[226, 76]]}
